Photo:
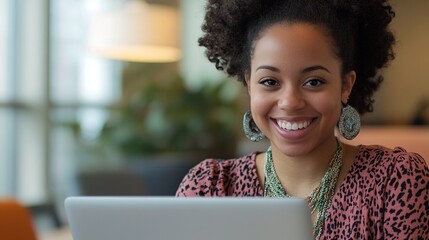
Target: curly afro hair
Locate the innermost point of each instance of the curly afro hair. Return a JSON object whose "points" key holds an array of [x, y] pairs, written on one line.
{"points": [[359, 29]]}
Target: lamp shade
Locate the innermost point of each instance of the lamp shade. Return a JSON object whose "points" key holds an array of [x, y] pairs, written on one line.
{"points": [[138, 32]]}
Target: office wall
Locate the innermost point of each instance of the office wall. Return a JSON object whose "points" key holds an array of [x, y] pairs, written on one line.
{"points": [[407, 78]]}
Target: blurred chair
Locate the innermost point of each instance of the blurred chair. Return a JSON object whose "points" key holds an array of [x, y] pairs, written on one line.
{"points": [[114, 182], [15, 221]]}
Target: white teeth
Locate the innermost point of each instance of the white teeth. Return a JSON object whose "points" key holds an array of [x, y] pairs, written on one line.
{"points": [[293, 126]]}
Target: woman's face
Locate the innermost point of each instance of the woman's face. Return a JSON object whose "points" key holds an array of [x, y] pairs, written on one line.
{"points": [[296, 87]]}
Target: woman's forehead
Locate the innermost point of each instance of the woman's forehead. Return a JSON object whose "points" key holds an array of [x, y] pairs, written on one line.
{"points": [[293, 42]]}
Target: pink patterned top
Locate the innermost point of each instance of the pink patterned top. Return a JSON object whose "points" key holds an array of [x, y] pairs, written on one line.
{"points": [[385, 195]]}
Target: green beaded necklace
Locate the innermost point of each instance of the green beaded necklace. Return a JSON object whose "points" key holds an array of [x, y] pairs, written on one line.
{"points": [[320, 198]]}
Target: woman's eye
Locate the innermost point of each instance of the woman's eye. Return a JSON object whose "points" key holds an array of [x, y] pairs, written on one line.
{"points": [[314, 82], [268, 82]]}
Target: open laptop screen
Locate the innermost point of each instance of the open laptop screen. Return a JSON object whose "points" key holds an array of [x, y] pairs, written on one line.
{"points": [[162, 218]]}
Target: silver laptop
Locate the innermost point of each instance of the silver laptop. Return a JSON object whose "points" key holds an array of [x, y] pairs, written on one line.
{"points": [[165, 218]]}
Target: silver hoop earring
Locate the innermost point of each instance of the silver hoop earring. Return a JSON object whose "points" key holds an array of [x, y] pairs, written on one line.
{"points": [[349, 123], [251, 131]]}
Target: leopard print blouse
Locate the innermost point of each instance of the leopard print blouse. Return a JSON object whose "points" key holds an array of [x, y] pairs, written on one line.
{"points": [[385, 194]]}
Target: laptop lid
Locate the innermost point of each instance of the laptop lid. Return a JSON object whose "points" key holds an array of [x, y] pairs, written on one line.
{"points": [[162, 218]]}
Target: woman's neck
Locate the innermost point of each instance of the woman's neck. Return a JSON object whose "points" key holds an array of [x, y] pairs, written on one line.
{"points": [[299, 175]]}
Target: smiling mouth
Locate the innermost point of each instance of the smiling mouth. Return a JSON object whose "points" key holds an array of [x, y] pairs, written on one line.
{"points": [[293, 126]]}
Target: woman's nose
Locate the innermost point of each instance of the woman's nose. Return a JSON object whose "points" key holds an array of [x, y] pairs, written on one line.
{"points": [[291, 100]]}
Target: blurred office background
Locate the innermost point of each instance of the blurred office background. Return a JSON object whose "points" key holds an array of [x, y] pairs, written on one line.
{"points": [[67, 111]]}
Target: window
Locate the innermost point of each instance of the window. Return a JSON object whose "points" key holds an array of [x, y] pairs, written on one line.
{"points": [[22, 102], [47, 78], [82, 88], [5, 98]]}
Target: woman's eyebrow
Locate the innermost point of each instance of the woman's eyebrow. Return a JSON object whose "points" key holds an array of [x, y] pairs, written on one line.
{"points": [[314, 68], [305, 70], [274, 69]]}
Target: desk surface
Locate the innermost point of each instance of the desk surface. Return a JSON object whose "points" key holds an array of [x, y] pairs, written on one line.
{"points": [[60, 234]]}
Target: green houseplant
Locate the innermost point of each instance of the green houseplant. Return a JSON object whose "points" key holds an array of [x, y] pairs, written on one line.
{"points": [[160, 116]]}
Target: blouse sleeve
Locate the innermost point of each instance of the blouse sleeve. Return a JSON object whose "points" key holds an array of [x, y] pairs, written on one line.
{"points": [[406, 213], [199, 180]]}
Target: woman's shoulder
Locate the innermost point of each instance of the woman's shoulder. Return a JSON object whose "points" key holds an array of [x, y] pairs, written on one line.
{"points": [[384, 167], [220, 177], [376, 167], [375, 157]]}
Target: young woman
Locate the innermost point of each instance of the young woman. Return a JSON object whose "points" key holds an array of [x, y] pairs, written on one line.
{"points": [[311, 67]]}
